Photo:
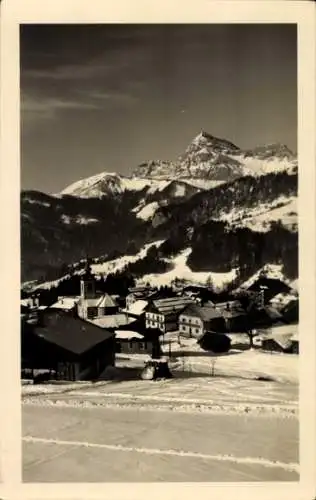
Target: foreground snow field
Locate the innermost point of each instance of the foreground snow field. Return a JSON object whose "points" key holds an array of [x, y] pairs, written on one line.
{"points": [[194, 427]]}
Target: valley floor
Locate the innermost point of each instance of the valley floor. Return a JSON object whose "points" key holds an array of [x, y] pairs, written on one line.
{"points": [[193, 427]]}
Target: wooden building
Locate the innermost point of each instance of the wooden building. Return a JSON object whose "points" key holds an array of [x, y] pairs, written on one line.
{"points": [[164, 313], [132, 342], [195, 320], [72, 348]]}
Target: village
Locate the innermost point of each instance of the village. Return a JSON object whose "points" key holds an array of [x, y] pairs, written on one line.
{"points": [[95, 336]]}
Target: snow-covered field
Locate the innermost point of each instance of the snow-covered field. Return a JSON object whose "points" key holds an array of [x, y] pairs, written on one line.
{"points": [[193, 427]]}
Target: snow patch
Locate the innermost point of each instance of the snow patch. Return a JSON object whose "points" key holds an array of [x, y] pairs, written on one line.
{"points": [[148, 211], [183, 272], [118, 264]]}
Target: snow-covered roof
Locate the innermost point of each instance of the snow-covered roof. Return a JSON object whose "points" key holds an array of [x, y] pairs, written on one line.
{"points": [[282, 299], [172, 304], [106, 301], [112, 321], [137, 308], [127, 335], [65, 303], [205, 312]]}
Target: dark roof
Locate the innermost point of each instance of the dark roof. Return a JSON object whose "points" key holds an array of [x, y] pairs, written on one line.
{"points": [[171, 305], [230, 309], [205, 312], [70, 332]]}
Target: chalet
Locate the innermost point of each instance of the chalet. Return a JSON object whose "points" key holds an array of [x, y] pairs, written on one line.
{"points": [[264, 317], [132, 342], [282, 338], [195, 320], [64, 343], [139, 293], [235, 317], [164, 313]]}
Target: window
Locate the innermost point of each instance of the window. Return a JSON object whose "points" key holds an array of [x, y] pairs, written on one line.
{"points": [[131, 344], [197, 330], [141, 346]]}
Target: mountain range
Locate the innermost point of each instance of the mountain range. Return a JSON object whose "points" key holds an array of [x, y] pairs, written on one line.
{"points": [[222, 207]]}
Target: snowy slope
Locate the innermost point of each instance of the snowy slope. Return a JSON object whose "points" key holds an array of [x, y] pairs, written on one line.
{"points": [[181, 271], [110, 266], [109, 183], [211, 159], [282, 209]]}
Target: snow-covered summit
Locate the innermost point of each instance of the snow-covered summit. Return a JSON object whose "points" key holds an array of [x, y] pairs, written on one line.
{"points": [[210, 158], [106, 183]]}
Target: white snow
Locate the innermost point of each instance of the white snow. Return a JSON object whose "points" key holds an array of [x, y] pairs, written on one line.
{"points": [[282, 299], [37, 202], [137, 308], [148, 211], [127, 335], [257, 166], [183, 272], [112, 266], [259, 218], [180, 190], [271, 271], [65, 303], [79, 219], [112, 182]]}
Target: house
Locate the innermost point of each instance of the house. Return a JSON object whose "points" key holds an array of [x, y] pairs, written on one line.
{"points": [[195, 320], [64, 343], [282, 339], [235, 317], [131, 342], [164, 313], [264, 317], [143, 292]]}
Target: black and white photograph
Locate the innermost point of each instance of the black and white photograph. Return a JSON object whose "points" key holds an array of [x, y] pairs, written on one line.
{"points": [[159, 253]]}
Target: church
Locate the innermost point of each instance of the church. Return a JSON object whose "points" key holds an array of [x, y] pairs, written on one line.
{"points": [[91, 304]]}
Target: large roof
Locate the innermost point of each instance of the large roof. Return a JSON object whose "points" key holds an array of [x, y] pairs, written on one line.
{"points": [[69, 332], [137, 308], [172, 304], [112, 321], [104, 300], [128, 335], [65, 303], [205, 312]]}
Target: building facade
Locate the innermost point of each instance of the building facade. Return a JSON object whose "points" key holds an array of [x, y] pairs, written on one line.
{"points": [[196, 320], [163, 314]]}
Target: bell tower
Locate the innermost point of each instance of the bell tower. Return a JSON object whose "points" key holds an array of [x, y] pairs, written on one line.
{"points": [[87, 284]]}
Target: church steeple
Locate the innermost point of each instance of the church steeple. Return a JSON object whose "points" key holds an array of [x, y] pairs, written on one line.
{"points": [[87, 283]]}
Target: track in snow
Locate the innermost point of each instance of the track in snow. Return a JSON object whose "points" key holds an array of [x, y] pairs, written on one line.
{"points": [[293, 467]]}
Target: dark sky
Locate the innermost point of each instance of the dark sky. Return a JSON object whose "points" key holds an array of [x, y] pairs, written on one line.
{"points": [[108, 97]]}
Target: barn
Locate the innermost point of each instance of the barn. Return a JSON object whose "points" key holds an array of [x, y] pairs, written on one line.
{"points": [[70, 347]]}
